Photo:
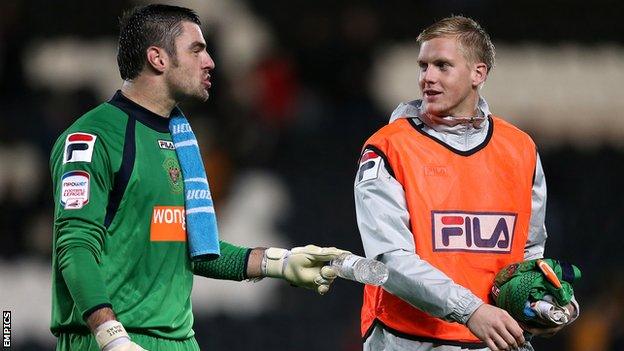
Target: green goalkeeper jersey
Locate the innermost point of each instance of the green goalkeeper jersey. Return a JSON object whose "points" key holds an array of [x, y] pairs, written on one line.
{"points": [[119, 206]]}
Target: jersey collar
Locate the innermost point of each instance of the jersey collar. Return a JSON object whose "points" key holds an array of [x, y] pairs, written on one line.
{"points": [[140, 113], [414, 109]]}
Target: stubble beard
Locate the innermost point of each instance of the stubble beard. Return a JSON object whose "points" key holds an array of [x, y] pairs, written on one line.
{"points": [[194, 90], [182, 90], [203, 95]]}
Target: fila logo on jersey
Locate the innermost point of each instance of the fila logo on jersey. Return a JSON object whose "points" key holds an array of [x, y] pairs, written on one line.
{"points": [[369, 166], [473, 231], [166, 144], [74, 190], [79, 147]]}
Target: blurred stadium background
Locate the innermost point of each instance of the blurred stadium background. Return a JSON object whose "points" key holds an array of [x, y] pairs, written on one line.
{"points": [[299, 86]]}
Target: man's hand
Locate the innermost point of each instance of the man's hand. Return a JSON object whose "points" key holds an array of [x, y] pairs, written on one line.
{"points": [[111, 336], [303, 266], [496, 328]]}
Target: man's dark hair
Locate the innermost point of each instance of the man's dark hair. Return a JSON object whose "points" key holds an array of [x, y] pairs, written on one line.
{"points": [[145, 26]]}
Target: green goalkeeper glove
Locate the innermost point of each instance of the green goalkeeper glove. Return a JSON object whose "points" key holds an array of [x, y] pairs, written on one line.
{"points": [[111, 336], [302, 266], [519, 285]]}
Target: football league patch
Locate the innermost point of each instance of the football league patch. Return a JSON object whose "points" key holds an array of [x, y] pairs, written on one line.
{"points": [[79, 147], [369, 166], [74, 190]]}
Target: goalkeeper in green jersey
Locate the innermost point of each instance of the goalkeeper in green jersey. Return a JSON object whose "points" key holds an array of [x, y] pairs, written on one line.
{"points": [[122, 271]]}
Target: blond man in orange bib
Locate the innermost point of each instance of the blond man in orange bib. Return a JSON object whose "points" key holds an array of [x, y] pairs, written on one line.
{"points": [[447, 194]]}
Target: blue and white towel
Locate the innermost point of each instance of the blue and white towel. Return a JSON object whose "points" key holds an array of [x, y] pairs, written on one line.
{"points": [[201, 221]]}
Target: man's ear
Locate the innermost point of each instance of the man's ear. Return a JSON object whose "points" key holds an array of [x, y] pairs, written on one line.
{"points": [[479, 74], [157, 58]]}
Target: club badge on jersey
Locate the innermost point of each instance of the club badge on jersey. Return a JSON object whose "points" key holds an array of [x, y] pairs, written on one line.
{"points": [[79, 147], [369, 166]]}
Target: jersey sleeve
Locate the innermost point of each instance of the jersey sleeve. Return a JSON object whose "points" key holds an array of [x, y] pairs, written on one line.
{"points": [[230, 265], [536, 240], [82, 179], [383, 220]]}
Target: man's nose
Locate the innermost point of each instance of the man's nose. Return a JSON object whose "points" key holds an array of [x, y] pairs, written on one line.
{"points": [[208, 63], [429, 75]]}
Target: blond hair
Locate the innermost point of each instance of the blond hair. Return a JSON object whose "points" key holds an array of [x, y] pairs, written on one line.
{"points": [[473, 41]]}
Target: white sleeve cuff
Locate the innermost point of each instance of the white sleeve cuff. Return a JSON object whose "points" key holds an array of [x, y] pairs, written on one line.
{"points": [[465, 308]]}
